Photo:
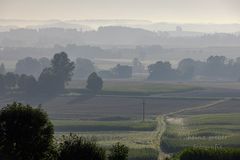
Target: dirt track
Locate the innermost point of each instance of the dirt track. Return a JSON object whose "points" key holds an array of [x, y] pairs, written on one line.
{"points": [[162, 124]]}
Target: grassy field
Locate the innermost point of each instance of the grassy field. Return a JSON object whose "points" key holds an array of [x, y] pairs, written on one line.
{"points": [[115, 118], [208, 130], [137, 87], [81, 126], [138, 136], [231, 106], [101, 107]]}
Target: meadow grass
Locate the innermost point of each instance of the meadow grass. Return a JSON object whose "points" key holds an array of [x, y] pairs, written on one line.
{"points": [[132, 139], [137, 135], [80, 125], [211, 130], [137, 87]]}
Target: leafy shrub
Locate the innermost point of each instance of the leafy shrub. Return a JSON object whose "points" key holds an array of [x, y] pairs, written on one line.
{"points": [[73, 147], [25, 133], [118, 152]]}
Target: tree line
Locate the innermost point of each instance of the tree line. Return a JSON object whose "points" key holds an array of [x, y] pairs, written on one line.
{"points": [[214, 68], [49, 77], [51, 81], [83, 68], [26, 133]]}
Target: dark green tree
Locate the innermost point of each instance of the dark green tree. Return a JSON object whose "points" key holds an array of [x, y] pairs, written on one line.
{"points": [[11, 80], [2, 84], [78, 148], [94, 82], [162, 71], [52, 80], [118, 152], [27, 84], [26, 133], [48, 83], [2, 69], [122, 71], [62, 67], [186, 67], [28, 66]]}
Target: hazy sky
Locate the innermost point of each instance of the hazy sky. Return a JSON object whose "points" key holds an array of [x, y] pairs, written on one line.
{"points": [[193, 11]]}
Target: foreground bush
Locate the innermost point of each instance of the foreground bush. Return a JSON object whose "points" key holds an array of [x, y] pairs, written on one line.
{"points": [[118, 152], [143, 154], [78, 148], [25, 133], [209, 154]]}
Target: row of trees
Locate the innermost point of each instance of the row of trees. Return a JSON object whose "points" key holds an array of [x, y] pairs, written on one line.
{"points": [[215, 68], [25, 84], [26, 133], [118, 72], [51, 80], [32, 66], [83, 68]]}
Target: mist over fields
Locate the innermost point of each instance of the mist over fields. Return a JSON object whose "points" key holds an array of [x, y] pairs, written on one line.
{"points": [[119, 80], [116, 40]]}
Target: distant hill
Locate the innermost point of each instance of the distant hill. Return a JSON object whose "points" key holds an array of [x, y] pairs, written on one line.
{"points": [[144, 24], [117, 35], [62, 25], [60, 33]]}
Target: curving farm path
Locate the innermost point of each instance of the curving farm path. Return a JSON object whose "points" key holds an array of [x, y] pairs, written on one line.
{"points": [[162, 125]]}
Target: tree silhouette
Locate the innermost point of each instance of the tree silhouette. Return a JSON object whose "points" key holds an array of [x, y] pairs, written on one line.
{"points": [[28, 66], [94, 82], [52, 79], [25, 133], [73, 147], [62, 67], [122, 71], [11, 80], [48, 82], [27, 84], [161, 71], [118, 152], [2, 69], [2, 84]]}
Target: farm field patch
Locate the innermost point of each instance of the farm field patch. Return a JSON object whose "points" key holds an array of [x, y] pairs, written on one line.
{"points": [[87, 107], [231, 106], [137, 87], [140, 143], [208, 130], [81, 126]]}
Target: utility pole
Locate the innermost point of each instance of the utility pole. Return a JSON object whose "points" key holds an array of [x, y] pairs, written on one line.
{"points": [[143, 109]]}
